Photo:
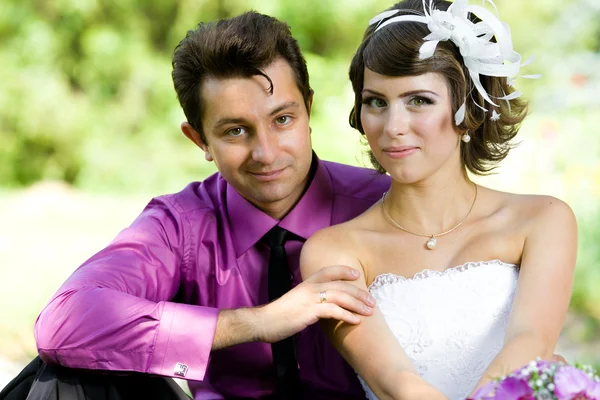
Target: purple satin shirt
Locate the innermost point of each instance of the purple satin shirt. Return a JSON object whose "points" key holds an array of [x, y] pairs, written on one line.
{"points": [[149, 301]]}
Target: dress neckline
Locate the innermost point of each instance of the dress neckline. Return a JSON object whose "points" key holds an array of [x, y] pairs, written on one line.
{"points": [[388, 278]]}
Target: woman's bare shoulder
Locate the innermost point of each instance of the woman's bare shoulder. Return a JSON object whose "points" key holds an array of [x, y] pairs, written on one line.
{"points": [[334, 245], [533, 209], [339, 236]]}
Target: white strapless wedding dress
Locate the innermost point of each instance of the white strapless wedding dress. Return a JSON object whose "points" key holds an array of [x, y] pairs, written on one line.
{"points": [[451, 324]]}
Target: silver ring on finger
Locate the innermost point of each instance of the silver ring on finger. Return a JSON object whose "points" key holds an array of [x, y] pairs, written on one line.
{"points": [[323, 296]]}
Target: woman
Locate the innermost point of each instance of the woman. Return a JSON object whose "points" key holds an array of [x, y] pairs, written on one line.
{"points": [[470, 282]]}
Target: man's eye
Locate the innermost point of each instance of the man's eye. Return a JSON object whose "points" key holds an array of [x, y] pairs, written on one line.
{"points": [[236, 131], [284, 119]]}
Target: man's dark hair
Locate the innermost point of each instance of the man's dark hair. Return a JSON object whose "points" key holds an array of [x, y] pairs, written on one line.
{"points": [[236, 47]]}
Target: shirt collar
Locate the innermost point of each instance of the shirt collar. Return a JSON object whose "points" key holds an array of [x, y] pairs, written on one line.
{"points": [[313, 212]]}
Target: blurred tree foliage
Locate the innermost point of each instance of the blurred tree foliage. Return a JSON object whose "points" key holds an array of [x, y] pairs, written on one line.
{"points": [[86, 94]]}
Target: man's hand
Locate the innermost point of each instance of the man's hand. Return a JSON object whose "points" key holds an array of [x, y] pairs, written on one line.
{"points": [[327, 294]]}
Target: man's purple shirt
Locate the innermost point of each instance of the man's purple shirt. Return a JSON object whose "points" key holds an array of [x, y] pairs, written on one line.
{"points": [[149, 301]]}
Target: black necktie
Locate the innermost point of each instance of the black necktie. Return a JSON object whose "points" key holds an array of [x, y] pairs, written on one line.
{"points": [[280, 282]]}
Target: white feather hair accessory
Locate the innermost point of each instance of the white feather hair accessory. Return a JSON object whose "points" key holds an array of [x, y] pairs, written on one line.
{"points": [[481, 56]]}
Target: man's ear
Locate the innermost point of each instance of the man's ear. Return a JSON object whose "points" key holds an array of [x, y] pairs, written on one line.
{"points": [[309, 101], [195, 137]]}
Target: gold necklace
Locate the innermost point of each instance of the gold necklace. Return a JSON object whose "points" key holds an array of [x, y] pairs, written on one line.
{"points": [[432, 242]]}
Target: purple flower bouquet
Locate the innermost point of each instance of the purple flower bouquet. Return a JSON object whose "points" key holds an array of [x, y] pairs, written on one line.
{"points": [[543, 380]]}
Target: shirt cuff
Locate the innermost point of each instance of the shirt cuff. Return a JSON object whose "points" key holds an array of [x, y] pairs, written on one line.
{"points": [[184, 341]]}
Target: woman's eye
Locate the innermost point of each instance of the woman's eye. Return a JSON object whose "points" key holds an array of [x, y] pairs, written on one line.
{"points": [[419, 101], [236, 132], [378, 103], [374, 102]]}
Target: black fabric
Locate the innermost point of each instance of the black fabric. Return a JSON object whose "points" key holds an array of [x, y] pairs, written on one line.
{"points": [[280, 282], [18, 388], [40, 381]]}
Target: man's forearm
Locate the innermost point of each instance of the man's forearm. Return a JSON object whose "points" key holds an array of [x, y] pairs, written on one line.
{"points": [[237, 326], [294, 311], [104, 329]]}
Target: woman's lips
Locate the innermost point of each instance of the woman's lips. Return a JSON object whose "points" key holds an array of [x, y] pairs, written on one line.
{"points": [[400, 152]]}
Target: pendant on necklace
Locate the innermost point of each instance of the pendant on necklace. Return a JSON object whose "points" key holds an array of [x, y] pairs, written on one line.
{"points": [[431, 243]]}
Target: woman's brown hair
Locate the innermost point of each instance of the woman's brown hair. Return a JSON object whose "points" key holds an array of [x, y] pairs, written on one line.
{"points": [[394, 51]]}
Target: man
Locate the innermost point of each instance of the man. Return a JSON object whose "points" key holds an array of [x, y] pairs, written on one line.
{"points": [[198, 287]]}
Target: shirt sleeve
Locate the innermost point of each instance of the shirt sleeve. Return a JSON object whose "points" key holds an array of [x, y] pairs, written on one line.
{"points": [[114, 312]]}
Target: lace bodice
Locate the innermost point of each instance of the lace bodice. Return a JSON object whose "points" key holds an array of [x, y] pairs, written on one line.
{"points": [[451, 324]]}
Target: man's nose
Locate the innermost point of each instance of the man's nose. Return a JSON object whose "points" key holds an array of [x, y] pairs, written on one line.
{"points": [[265, 147]]}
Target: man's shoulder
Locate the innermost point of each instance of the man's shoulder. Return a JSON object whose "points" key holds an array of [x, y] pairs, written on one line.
{"points": [[197, 196], [356, 182]]}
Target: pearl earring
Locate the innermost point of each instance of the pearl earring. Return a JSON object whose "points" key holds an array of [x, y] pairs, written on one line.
{"points": [[466, 137]]}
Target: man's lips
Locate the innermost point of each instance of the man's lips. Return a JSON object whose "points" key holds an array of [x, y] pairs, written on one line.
{"points": [[267, 175]]}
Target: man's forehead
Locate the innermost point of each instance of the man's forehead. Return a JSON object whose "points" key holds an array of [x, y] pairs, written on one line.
{"points": [[232, 97], [278, 70], [223, 86]]}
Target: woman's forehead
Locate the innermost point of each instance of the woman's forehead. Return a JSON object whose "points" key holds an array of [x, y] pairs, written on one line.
{"points": [[430, 81]]}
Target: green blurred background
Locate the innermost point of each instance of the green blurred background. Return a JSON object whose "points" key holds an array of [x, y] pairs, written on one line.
{"points": [[89, 130]]}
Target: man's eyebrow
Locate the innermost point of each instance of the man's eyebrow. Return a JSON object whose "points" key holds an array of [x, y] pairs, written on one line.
{"points": [[289, 104], [235, 121], [227, 120], [409, 93]]}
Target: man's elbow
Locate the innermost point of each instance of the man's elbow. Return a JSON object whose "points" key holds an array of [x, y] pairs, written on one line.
{"points": [[44, 339], [51, 324], [44, 332]]}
